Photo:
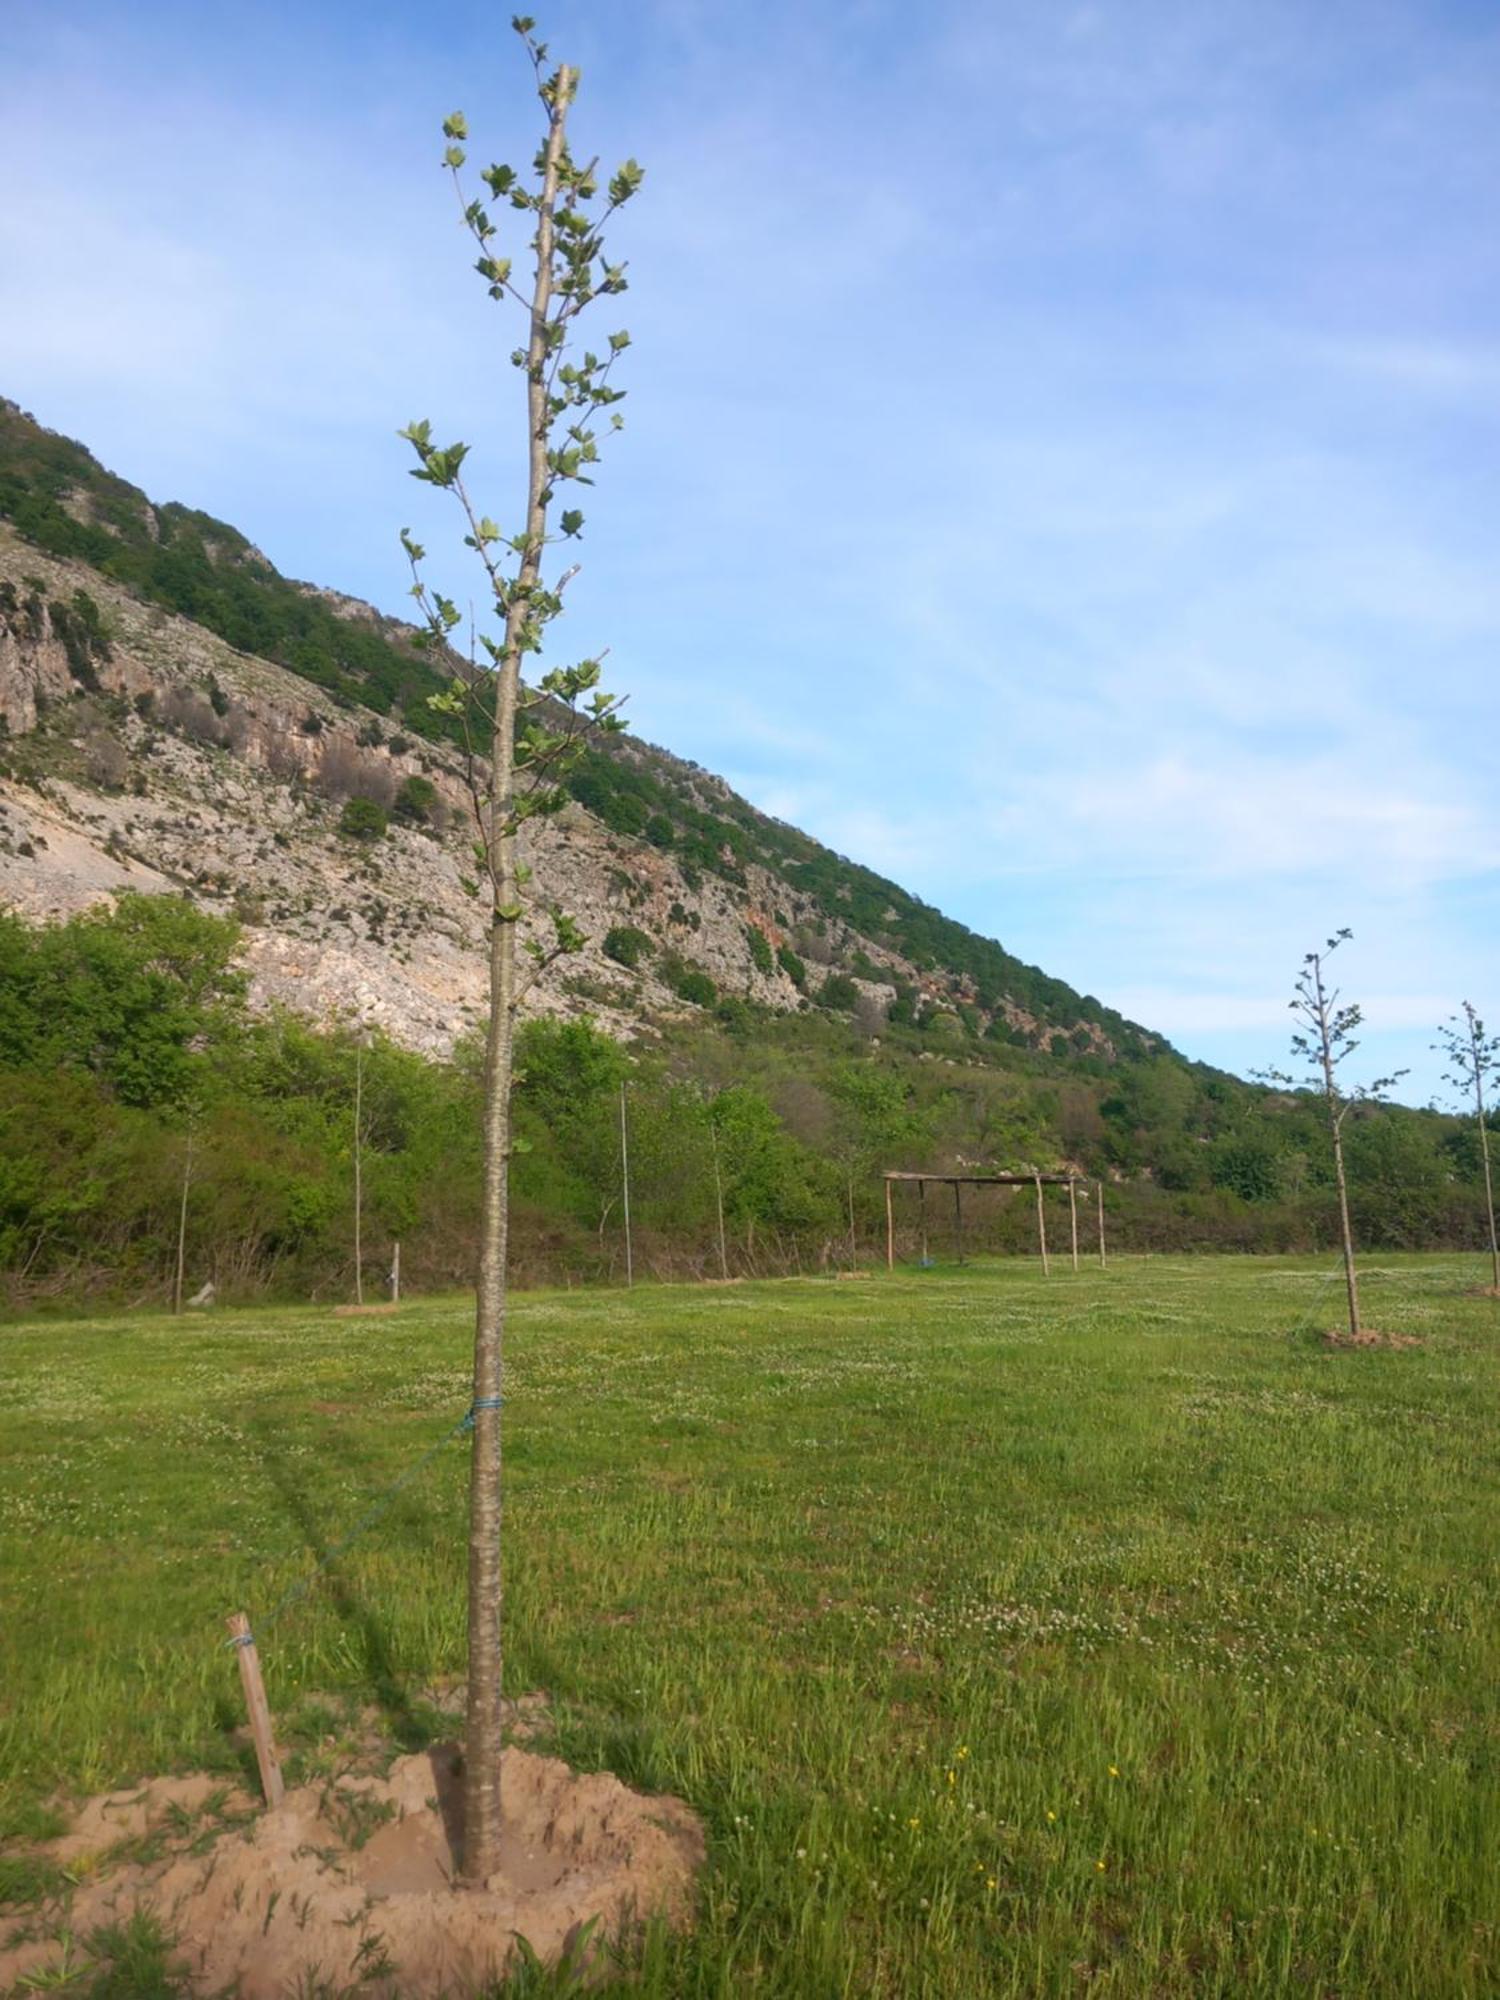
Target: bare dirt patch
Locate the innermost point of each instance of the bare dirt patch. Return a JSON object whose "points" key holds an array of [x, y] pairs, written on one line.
{"points": [[352, 1881], [1340, 1336]]}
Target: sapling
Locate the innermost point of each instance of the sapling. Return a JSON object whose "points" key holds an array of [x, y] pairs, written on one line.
{"points": [[1324, 1042], [1475, 1058], [520, 741]]}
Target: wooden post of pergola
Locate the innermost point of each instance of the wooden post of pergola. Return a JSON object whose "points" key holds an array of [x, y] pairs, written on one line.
{"points": [[958, 1182], [1100, 1186]]}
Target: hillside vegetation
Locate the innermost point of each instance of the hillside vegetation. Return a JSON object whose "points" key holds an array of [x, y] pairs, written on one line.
{"points": [[126, 1038], [230, 826], [840, 917]]}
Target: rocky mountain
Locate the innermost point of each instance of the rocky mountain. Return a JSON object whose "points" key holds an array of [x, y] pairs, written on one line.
{"points": [[177, 716]]}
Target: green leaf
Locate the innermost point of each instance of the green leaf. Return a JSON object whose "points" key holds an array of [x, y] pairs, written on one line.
{"points": [[456, 126], [571, 522]]}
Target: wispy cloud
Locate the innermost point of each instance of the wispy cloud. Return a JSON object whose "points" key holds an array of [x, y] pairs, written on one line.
{"points": [[1060, 473]]}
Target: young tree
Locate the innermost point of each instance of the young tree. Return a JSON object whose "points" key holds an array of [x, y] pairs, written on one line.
{"points": [[520, 743], [1475, 1058], [1324, 1042]]}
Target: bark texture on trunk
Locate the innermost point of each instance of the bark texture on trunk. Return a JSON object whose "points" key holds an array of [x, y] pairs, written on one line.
{"points": [[483, 1726]]}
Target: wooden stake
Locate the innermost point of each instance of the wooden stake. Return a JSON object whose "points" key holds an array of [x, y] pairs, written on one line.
{"points": [[260, 1714], [182, 1212], [958, 1218], [625, 1189], [396, 1272], [1100, 1186], [359, 1197], [1073, 1216], [713, 1140], [1041, 1228], [890, 1231], [922, 1206]]}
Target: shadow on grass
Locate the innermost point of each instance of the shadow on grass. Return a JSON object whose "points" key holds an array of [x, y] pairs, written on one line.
{"points": [[410, 1726]]}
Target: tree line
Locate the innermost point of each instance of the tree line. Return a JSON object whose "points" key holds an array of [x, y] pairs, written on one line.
{"points": [[127, 1039]]}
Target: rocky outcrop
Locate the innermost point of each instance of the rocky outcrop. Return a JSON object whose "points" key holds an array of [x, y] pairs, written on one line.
{"points": [[171, 762]]}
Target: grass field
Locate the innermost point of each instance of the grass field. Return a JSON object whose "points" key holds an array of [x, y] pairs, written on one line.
{"points": [[1103, 1635]]}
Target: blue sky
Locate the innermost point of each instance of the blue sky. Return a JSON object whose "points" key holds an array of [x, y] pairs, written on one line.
{"points": [[1064, 440]]}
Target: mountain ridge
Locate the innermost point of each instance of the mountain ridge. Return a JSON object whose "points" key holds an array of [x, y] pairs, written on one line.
{"points": [[124, 617]]}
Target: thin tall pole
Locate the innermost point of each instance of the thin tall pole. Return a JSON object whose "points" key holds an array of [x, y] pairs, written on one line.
{"points": [[890, 1230], [396, 1272], [713, 1140], [1102, 1261], [187, 1181], [1477, 1048], [1041, 1228], [359, 1094], [1073, 1216], [958, 1218], [625, 1184], [922, 1208]]}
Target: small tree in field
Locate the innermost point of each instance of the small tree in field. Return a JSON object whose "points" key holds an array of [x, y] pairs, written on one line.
{"points": [[1475, 1058], [520, 744], [1324, 1042]]}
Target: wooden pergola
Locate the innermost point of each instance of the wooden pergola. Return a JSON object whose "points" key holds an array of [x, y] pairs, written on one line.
{"points": [[958, 1182]]}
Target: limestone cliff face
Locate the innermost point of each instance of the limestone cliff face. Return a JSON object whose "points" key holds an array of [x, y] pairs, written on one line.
{"points": [[144, 753]]}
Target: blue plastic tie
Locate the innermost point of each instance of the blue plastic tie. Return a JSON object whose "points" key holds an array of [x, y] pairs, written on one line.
{"points": [[480, 1403], [241, 1639]]}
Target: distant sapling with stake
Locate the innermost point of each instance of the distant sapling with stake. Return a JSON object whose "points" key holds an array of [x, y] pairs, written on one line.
{"points": [[520, 743], [1475, 1058], [1324, 1043]]}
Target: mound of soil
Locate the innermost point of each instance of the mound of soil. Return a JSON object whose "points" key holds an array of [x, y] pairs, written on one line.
{"points": [[1340, 1336], [352, 1881]]}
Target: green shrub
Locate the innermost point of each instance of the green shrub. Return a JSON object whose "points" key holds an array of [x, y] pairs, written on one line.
{"points": [[362, 819], [839, 993], [761, 955], [627, 945], [416, 802], [793, 967]]}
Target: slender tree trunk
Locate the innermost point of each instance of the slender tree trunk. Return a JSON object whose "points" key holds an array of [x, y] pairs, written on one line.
{"points": [[182, 1212], [483, 1731], [1336, 1127], [1484, 1152], [359, 1199], [713, 1140], [625, 1192]]}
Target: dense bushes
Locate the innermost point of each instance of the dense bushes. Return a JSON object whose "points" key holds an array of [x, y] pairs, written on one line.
{"points": [[125, 1041]]}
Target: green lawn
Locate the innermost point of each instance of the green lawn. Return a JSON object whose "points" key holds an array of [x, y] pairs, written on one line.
{"points": [[1013, 1636]]}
